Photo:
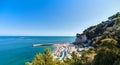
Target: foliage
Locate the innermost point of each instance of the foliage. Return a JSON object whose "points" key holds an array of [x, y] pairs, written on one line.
{"points": [[108, 42], [114, 16], [107, 53], [117, 21], [117, 62], [106, 29], [75, 60], [27, 63], [45, 59]]}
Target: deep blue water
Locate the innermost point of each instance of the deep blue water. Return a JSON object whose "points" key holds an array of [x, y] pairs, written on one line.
{"points": [[16, 50]]}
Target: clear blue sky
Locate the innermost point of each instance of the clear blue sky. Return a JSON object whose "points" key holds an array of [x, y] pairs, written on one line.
{"points": [[53, 17]]}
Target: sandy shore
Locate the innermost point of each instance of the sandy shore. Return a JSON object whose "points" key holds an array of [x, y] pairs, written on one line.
{"points": [[64, 50]]}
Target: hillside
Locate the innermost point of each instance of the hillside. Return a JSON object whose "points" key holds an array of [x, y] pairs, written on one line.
{"points": [[106, 29]]}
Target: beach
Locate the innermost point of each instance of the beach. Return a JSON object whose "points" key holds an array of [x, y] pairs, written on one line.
{"points": [[64, 50]]}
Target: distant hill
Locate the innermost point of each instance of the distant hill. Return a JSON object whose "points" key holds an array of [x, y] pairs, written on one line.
{"points": [[106, 29]]}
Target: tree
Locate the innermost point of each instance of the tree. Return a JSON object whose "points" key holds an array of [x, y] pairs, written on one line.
{"points": [[45, 59], [27, 63], [107, 52], [108, 42], [117, 21], [75, 60], [117, 62], [48, 58]]}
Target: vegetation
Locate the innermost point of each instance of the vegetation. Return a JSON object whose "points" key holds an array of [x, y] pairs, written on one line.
{"points": [[114, 16], [45, 59], [106, 29], [75, 60], [107, 53], [117, 22]]}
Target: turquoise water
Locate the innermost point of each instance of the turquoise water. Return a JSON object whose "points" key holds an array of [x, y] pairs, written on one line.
{"points": [[16, 50]]}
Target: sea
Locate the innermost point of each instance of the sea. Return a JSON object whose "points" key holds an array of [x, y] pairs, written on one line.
{"points": [[16, 50]]}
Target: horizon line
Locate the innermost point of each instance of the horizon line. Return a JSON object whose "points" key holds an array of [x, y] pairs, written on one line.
{"points": [[34, 35]]}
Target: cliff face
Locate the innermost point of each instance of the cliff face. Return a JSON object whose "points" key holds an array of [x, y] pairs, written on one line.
{"points": [[106, 29], [82, 39]]}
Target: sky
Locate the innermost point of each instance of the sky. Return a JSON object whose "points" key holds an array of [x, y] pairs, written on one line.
{"points": [[53, 17]]}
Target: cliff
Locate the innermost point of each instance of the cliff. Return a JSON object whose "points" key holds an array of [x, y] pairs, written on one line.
{"points": [[106, 29]]}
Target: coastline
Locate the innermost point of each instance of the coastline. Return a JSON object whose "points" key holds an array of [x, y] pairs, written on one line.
{"points": [[63, 51]]}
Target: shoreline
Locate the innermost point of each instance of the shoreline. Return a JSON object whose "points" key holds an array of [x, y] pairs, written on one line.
{"points": [[64, 50]]}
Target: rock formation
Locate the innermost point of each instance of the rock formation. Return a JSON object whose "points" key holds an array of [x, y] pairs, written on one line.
{"points": [[81, 39]]}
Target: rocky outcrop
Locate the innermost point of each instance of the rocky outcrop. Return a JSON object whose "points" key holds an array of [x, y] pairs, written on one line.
{"points": [[81, 39]]}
